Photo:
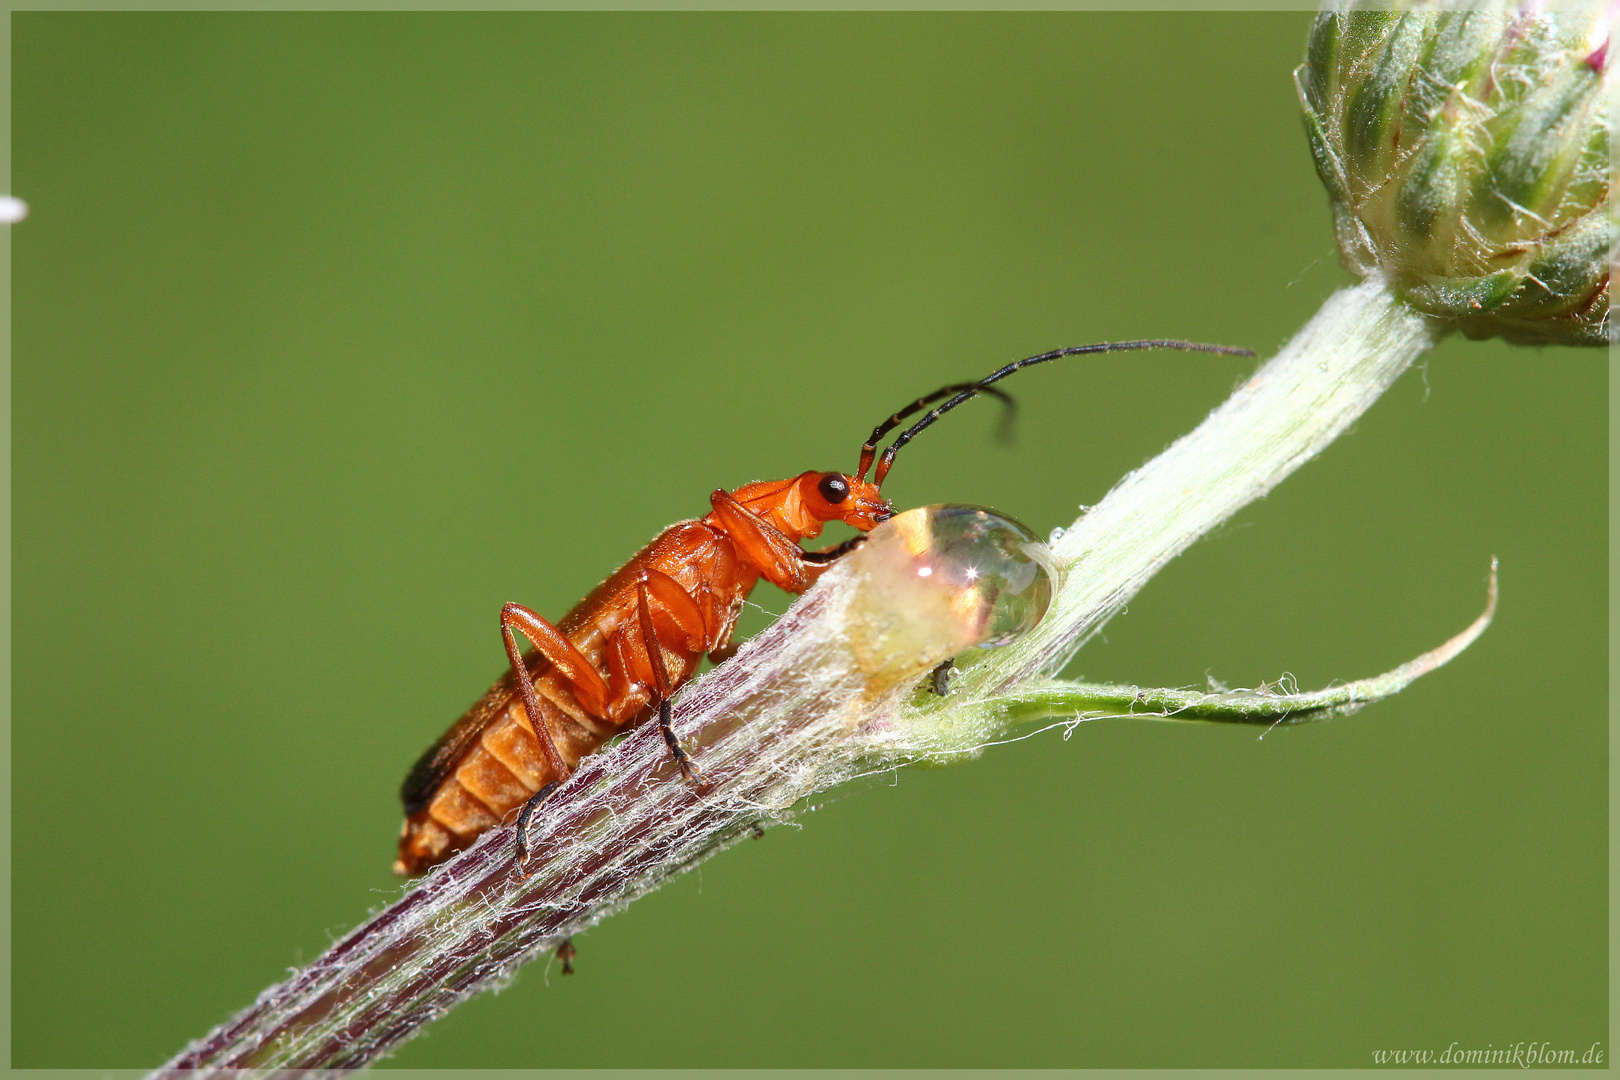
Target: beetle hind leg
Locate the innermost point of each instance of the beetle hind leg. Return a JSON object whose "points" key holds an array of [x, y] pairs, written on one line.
{"points": [[521, 844]]}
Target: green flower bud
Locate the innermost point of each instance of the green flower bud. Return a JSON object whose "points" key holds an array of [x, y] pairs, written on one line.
{"points": [[1466, 154]]}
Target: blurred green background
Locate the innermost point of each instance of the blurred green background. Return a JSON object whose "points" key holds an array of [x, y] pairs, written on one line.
{"points": [[334, 332]]}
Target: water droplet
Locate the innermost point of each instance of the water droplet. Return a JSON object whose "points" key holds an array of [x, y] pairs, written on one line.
{"points": [[979, 567]]}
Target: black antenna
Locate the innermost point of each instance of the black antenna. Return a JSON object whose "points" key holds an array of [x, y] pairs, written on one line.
{"points": [[869, 447], [966, 391]]}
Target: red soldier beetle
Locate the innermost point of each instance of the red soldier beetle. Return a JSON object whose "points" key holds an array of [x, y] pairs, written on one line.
{"points": [[616, 660]]}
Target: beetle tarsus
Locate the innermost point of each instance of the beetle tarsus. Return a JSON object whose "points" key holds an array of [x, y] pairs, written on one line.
{"points": [[689, 767], [566, 953], [521, 846]]}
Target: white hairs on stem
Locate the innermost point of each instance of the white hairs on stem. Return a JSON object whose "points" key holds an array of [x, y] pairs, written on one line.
{"points": [[798, 711]]}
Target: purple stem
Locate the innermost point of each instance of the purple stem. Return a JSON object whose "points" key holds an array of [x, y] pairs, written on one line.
{"points": [[620, 826]]}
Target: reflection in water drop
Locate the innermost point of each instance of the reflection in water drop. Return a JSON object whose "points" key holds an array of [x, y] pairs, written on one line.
{"points": [[941, 579], [1000, 589]]}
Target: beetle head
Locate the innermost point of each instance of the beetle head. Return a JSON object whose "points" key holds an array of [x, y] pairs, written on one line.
{"points": [[836, 496]]}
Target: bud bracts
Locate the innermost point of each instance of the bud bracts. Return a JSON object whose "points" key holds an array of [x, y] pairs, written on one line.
{"points": [[1466, 154]]}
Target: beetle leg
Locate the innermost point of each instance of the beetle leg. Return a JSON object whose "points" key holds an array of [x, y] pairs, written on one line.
{"points": [[628, 693], [718, 623], [655, 656], [682, 758], [680, 607], [780, 560], [836, 552], [568, 662], [522, 846]]}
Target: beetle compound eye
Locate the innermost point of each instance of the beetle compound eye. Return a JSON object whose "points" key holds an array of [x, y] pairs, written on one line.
{"points": [[834, 488]]}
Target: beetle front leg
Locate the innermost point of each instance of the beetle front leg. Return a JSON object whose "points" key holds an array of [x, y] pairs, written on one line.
{"points": [[834, 553], [780, 561]]}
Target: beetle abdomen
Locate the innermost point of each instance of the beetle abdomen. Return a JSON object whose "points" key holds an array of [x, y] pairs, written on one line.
{"points": [[482, 771], [495, 777]]}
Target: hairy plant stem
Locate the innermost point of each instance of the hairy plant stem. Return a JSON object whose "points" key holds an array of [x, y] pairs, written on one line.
{"points": [[811, 702], [1297, 403]]}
